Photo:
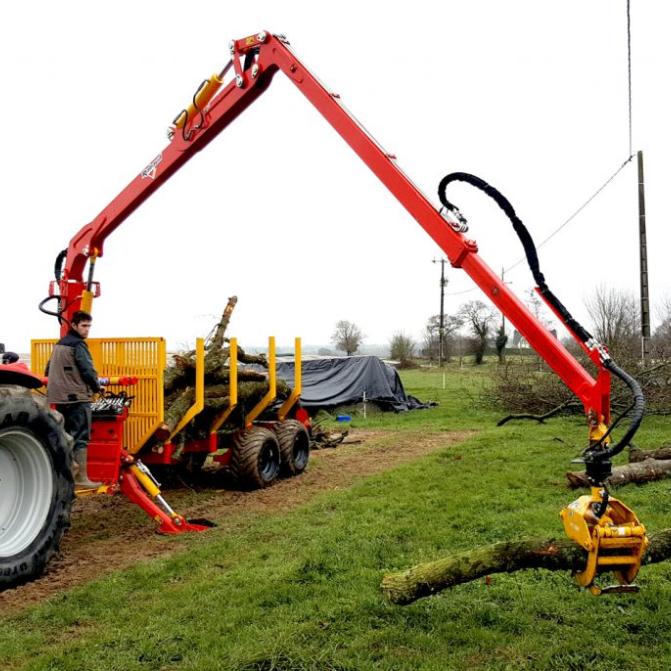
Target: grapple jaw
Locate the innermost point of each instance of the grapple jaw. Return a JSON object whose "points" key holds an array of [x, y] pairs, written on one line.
{"points": [[615, 540]]}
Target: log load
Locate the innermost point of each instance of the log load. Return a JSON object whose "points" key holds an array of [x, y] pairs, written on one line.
{"points": [[180, 378]]}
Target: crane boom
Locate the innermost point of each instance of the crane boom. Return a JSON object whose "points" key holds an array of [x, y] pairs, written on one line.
{"points": [[254, 61]]}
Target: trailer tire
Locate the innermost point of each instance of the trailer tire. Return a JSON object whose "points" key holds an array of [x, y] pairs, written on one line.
{"points": [[37, 490], [294, 446], [255, 462]]}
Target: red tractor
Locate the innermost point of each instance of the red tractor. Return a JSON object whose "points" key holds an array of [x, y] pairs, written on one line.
{"points": [[34, 507], [36, 485]]}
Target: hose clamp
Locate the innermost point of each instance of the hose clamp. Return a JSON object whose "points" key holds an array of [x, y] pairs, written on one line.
{"points": [[455, 219], [593, 344]]}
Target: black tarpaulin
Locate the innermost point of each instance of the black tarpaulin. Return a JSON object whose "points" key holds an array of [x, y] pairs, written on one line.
{"points": [[343, 380]]}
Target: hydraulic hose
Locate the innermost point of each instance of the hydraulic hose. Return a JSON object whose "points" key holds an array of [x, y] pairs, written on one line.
{"points": [[603, 506], [638, 410], [58, 265], [525, 238], [598, 452]]}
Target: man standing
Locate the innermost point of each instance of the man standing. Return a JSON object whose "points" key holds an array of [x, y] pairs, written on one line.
{"points": [[72, 381]]}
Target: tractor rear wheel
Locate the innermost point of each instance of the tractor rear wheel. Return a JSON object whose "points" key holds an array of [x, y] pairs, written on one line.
{"points": [[294, 446], [36, 486], [255, 462]]}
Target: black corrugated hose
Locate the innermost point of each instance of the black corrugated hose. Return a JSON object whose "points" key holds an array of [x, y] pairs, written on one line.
{"points": [[597, 452]]}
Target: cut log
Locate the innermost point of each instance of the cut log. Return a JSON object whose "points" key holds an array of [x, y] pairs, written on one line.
{"points": [[636, 454], [643, 471], [183, 371], [507, 557], [178, 408], [217, 341], [259, 359]]}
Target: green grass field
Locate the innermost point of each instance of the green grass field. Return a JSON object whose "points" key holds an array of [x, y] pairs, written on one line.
{"points": [[299, 590]]}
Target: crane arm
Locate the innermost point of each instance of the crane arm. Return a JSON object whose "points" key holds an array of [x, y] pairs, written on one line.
{"points": [[254, 62]]}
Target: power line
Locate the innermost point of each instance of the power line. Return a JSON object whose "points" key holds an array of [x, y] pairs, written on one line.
{"points": [[559, 228], [608, 181], [460, 293], [577, 212], [631, 146]]}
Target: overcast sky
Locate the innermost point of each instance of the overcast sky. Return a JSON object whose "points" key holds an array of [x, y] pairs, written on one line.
{"points": [[529, 94]]}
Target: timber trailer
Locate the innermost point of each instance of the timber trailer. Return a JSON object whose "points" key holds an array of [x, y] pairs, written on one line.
{"points": [[37, 488]]}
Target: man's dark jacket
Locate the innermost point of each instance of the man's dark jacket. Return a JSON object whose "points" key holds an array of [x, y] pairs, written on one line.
{"points": [[72, 377]]}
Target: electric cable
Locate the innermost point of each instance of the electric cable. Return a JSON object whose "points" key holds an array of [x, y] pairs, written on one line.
{"points": [[578, 211]]}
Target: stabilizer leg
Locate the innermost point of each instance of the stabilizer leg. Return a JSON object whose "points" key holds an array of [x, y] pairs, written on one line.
{"points": [[139, 487]]}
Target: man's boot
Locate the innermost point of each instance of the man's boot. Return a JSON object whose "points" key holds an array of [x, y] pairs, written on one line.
{"points": [[80, 473]]}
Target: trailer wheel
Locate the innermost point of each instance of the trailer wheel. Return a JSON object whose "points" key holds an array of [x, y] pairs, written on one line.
{"points": [[294, 446], [36, 486], [255, 462]]}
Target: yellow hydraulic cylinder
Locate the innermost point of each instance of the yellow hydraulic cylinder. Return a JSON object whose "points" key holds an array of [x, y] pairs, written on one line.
{"points": [[147, 483], [298, 381], [272, 386], [87, 301], [204, 94], [87, 295]]}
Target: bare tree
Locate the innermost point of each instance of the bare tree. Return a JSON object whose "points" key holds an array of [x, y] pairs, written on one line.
{"points": [[615, 319], [478, 317], [347, 337], [431, 344], [402, 348]]}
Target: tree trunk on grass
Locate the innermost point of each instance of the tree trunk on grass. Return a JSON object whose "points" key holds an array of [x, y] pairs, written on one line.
{"points": [[643, 471], [507, 557], [636, 454]]}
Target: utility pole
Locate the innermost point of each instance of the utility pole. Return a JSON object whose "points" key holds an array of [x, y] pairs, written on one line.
{"points": [[441, 323], [643, 249]]}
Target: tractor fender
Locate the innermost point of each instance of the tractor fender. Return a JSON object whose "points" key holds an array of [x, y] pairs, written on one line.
{"points": [[19, 374]]}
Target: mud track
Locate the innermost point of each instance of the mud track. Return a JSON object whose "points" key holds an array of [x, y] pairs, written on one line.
{"points": [[109, 533]]}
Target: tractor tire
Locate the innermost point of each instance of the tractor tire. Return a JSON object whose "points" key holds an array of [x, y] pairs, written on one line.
{"points": [[294, 447], [255, 462], [36, 485]]}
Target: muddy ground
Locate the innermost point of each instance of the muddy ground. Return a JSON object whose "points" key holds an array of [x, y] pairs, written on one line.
{"points": [[109, 533]]}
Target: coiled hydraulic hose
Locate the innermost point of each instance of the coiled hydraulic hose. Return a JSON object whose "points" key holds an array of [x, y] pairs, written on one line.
{"points": [[58, 274], [598, 452]]}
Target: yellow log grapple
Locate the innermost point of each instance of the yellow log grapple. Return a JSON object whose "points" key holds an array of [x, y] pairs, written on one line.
{"points": [[612, 535]]}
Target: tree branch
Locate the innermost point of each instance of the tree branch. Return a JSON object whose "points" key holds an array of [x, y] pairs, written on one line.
{"points": [[539, 418]]}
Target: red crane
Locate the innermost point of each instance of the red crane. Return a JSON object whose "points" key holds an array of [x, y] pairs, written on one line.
{"points": [[219, 100]]}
